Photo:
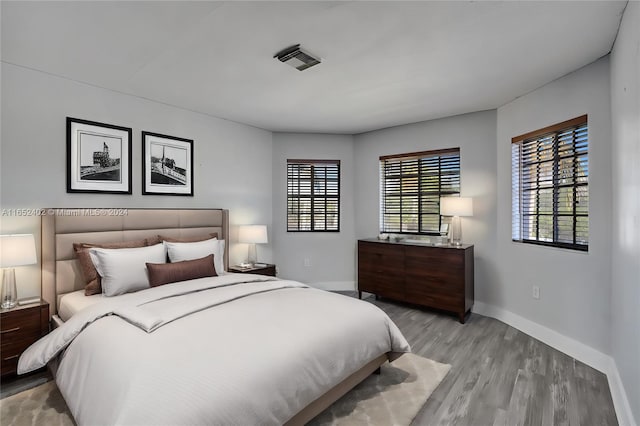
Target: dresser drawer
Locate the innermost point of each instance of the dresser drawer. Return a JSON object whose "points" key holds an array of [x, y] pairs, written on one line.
{"points": [[380, 258], [434, 297], [14, 348], [393, 265], [19, 324], [368, 247], [435, 258], [430, 281], [438, 278], [382, 285], [9, 366]]}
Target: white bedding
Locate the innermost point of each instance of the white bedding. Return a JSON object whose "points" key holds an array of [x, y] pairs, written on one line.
{"points": [[74, 302], [236, 349]]}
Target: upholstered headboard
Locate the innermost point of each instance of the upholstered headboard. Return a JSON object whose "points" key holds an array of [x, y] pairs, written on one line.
{"points": [[62, 227]]}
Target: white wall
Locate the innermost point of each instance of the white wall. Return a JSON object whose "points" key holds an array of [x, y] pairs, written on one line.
{"points": [[331, 254], [475, 134], [574, 286], [232, 161], [625, 283]]}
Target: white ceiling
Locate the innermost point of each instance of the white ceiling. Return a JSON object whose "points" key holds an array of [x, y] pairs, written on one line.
{"points": [[383, 63]]}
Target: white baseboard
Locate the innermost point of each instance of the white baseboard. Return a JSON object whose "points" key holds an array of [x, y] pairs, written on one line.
{"points": [[335, 285], [586, 354], [619, 396]]}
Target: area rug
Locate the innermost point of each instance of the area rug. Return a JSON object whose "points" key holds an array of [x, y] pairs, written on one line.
{"points": [[42, 405], [392, 397]]}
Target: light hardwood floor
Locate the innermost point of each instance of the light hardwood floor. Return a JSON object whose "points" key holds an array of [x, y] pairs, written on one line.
{"points": [[499, 375]]}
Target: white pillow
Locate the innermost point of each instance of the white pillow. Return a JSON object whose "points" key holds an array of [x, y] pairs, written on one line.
{"points": [[190, 251], [124, 270]]}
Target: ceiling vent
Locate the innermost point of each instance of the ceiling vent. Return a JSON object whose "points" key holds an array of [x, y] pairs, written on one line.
{"points": [[297, 58]]}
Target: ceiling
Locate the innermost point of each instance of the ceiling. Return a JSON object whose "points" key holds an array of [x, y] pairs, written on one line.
{"points": [[383, 63]]}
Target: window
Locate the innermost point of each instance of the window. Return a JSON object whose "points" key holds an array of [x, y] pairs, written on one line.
{"points": [[313, 195], [550, 189], [410, 189]]}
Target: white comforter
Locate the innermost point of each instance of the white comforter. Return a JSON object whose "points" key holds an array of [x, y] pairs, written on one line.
{"points": [[236, 349]]}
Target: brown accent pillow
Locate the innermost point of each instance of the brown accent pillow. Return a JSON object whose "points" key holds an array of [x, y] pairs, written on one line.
{"points": [[165, 273], [92, 284], [188, 239], [152, 241]]}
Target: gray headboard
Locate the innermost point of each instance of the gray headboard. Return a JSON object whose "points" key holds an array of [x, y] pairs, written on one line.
{"points": [[63, 227]]}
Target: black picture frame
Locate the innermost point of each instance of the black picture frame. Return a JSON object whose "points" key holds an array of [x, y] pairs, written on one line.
{"points": [[98, 157], [167, 165]]}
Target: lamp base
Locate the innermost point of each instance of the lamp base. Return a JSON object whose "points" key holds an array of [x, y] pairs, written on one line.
{"points": [[252, 255], [456, 231], [9, 293]]}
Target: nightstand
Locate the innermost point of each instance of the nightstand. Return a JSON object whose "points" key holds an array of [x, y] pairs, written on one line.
{"points": [[269, 269], [19, 328]]}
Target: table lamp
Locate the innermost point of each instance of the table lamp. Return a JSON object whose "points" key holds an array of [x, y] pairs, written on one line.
{"points": [[456, 207], [252, 235], [15, 250]]}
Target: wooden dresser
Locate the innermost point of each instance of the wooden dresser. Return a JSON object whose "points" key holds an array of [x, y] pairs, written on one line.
{"points": [[439, 277]]}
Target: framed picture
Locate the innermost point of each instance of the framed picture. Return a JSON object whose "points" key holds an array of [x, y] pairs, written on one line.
{"points": [[167, 165], [98, 157]]}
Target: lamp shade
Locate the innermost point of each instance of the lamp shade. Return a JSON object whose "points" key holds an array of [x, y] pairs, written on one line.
{"points": [[17, 250], [456, 206], [253, 234]]}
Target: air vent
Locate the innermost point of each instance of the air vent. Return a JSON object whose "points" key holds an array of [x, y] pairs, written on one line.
{"points": [[297, 58]]}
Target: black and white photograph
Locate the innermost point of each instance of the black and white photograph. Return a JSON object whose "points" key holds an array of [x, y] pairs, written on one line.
{"points": [[98, 157], [167, 164]]}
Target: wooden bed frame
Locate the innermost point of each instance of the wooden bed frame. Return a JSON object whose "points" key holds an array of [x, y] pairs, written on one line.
{"points": [[61, 273]]}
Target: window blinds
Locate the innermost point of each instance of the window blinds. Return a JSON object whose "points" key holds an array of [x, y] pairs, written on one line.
{"points": [[550, 189], [313, 195], [410, 189]]}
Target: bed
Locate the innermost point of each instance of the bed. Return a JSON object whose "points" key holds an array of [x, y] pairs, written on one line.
{"points": [[231, 349]]}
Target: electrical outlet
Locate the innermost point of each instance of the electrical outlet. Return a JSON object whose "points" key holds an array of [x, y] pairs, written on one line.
{"points": [[535, 292], [307, 262]]}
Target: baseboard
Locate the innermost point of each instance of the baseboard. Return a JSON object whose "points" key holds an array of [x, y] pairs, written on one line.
{"points": [[335, 285], [586, 354], [619, 396]]}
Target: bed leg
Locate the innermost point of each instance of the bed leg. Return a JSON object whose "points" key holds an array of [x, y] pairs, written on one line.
{"points": [[359, 295]]}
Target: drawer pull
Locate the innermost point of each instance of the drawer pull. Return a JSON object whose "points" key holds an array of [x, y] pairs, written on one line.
{"points": [[10, 330], [11, 357]]}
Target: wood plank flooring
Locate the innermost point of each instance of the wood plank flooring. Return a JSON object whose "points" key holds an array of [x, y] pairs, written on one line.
{"points": [[500, 376]]}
